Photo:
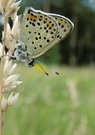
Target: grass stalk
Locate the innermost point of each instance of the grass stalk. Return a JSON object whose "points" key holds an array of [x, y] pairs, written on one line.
{"points": [[1, 88]]}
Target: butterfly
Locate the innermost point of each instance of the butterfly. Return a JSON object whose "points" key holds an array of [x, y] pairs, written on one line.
{"points": [[39, 31]]}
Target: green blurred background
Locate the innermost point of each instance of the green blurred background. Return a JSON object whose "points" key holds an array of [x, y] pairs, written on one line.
{"points": [[64, 104]]}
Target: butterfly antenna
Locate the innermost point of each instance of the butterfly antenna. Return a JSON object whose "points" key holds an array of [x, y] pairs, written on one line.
{"points": [[53, 71], [42, 68], [46, 66]]}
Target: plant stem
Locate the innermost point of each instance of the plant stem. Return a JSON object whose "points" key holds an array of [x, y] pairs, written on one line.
{"points": [[1, 88]]}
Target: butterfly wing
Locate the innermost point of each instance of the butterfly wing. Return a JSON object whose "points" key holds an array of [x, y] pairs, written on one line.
{"points": [[40, 31], [65, 27], [37, 31]]}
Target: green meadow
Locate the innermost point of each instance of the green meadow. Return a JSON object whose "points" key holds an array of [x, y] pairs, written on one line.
{"points": [[53, 105]]}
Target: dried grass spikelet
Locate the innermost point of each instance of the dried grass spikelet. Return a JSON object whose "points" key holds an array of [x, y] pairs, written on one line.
{"points": [[7, 102], [72, 86], [9, 7], [10, 81], [12, 35]]}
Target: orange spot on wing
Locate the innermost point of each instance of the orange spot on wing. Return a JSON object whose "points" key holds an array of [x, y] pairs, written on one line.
{"points": [[61, 23], [32, 17], [41, 18]]}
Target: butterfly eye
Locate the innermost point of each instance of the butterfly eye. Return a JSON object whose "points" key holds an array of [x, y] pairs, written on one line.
{"points": [[31, 63]]}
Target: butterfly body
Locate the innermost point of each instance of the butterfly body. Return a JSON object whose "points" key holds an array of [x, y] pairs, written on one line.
{"points": [[39, 31]]}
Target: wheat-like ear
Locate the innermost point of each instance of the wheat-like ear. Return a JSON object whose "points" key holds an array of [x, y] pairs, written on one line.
{"points": [[9, 81]]}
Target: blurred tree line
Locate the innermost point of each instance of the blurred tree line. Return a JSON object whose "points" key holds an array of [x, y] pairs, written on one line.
{"points": [[79, 47]]}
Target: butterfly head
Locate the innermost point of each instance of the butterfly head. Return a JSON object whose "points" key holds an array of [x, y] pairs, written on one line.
{"points": [[31, 63], [21, 54]]}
